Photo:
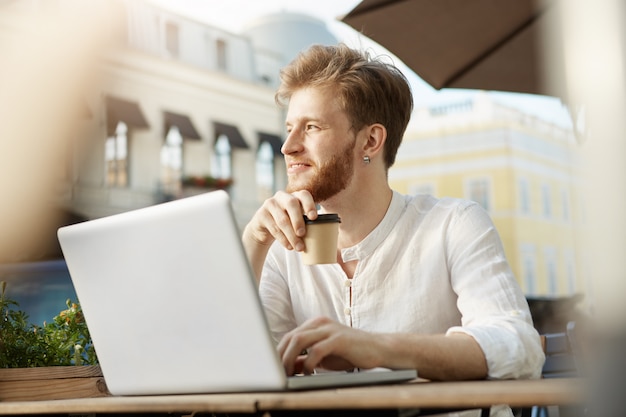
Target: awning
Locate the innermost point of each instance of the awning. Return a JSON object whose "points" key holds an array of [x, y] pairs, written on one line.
{"points": [[232, 133], [182, 122], [274, 140], [119, 110]]}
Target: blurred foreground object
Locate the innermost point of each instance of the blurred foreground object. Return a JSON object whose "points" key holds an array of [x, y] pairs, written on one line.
{"points": [[50, 54], [588, 60], [588, 50]]}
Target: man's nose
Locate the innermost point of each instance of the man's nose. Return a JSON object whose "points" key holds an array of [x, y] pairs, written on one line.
{"points": [[292, 144]]}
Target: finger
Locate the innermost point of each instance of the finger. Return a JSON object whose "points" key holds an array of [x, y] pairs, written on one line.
{"points": [[299, 365], [264, 226], [310, 324], [292, 346], [317, 354], [302, 338], [307, 203], [291, 356], [282, 229], [322, 355], [293, 209], [297, 204], [281, 210]]}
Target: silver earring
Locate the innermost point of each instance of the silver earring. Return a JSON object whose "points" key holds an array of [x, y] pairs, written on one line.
{"points": [[366, 159]]}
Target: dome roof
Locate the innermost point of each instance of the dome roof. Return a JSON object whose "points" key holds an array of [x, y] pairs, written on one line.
{"points": [[287, 33]]}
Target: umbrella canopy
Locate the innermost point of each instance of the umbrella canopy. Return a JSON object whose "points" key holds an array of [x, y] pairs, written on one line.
{"points": [[476, 44]]}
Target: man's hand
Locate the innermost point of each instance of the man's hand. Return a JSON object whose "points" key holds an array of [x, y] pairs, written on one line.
{"points": [[279, 218], [324, 343]]}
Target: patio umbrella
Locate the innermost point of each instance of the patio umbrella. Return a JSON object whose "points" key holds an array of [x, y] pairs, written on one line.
{"points": [[476, 44]]}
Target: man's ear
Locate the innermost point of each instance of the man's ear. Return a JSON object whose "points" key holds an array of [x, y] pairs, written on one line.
{"points": [[375, 141]]}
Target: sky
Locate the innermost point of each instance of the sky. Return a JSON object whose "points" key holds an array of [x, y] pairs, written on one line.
{"points": [[233, 15]]}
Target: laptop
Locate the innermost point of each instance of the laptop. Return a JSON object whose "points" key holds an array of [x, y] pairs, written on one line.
{"points": [[172, 306]]}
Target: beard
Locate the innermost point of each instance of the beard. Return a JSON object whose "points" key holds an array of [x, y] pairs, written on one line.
{"points": [[331, 177]]}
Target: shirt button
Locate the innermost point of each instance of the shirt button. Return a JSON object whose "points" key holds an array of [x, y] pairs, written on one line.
{"points": [[347, 311], [347, 283]]}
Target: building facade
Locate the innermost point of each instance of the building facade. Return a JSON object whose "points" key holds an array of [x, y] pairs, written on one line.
{"points": [[181, 110], [521, 169]]}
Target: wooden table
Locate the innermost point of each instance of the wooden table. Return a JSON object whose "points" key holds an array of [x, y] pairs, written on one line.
{"points": [[418, 394]]}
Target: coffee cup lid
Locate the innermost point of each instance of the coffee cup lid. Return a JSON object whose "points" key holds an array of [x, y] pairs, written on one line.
{"points": [[323, 218]]}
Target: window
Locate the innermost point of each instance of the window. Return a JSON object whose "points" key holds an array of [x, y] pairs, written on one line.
{"points": [[524, 196], [478, 191], [565, 205], [265, 176], [221, 167], [529, 268], [546, 201], [551, 277], [172, 161], [171, 38], [551, 271], [116, 157], [220, 46]]}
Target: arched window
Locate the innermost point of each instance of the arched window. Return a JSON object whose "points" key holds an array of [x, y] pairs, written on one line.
{"points": [[116, 157], [221, 167], [265, 176], [172, 161]]}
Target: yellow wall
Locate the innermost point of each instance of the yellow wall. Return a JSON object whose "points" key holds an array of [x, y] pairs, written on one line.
{"points": [[448, 171]]}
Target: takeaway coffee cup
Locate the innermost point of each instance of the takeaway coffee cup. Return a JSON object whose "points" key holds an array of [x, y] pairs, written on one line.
{"points": [[321, 239]]}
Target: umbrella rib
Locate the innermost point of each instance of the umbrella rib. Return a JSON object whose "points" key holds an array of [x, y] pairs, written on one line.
{"points": [[458, 74]]}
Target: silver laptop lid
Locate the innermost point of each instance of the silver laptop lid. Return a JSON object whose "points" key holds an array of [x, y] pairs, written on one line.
{"points": [[170, 300]]}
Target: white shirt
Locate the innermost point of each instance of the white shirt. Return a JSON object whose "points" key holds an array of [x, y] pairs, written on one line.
{"points": [[431, 266]]}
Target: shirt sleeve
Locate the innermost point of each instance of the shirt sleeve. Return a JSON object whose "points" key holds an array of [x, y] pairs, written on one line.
{"points": [[493, 307], [274, 294]]}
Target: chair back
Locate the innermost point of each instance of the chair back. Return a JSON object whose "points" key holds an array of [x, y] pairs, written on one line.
{"points": [[560, 361]]}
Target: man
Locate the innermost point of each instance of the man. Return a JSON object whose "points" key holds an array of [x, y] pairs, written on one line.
{"points": [[419, 282]]}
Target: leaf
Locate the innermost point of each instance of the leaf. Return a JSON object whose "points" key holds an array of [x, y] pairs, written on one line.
{"points": [[62, 342]]}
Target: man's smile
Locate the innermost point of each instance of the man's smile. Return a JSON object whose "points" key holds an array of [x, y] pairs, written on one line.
{"points": [[295, 167]]}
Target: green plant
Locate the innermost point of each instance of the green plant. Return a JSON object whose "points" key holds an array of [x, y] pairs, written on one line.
{"points": [[62, 342]]}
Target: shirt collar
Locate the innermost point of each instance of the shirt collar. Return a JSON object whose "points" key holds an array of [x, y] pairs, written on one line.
{"points": [[365, 247]]}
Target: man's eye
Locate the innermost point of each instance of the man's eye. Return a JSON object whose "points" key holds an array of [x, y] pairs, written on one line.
{"points": [[311, 127]]}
